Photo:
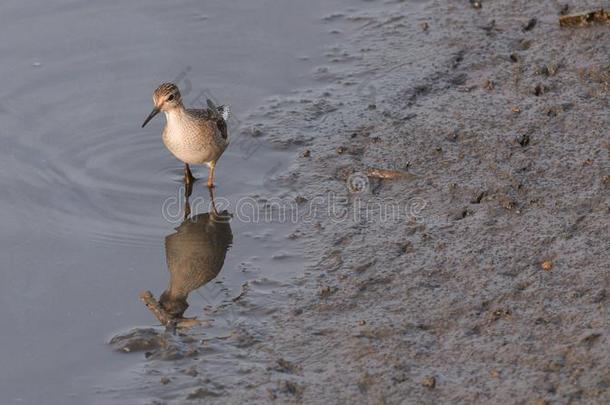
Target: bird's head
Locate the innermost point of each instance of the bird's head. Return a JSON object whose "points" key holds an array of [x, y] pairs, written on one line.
{"points": [[166, 97]]}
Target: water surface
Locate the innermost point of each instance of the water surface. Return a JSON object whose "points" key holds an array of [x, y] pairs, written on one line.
{"points": [[83, 186]]}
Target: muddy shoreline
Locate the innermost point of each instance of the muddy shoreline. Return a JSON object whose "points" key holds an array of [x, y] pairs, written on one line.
{"points": [[481, 278]]}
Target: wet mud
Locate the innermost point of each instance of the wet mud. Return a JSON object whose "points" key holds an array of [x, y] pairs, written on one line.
{"points": [[479, 277]]}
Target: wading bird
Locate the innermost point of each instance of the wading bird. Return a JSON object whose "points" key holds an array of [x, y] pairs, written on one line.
{"points": [[194, 136]]}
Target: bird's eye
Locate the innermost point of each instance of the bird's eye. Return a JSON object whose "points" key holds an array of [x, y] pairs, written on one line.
{"points": [[171, 97]]}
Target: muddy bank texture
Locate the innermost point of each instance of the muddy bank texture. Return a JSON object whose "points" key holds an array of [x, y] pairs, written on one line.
{"points": [[483, 279]]}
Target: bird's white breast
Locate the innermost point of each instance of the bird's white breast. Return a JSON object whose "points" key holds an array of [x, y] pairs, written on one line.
{"points": [[191, 140]]}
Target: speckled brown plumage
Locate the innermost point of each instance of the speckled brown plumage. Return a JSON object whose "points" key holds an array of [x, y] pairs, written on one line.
{"points": [[194, 136]]}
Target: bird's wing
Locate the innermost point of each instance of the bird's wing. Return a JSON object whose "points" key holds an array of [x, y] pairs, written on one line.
{"points": [[218, 115]]}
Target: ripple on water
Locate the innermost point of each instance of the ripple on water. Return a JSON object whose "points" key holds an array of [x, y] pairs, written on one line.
{"points": [[107, 185]]}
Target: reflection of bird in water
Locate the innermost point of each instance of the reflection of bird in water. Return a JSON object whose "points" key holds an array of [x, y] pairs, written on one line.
{"points": [[195, 254]]}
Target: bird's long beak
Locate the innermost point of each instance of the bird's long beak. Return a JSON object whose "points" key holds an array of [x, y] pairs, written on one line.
{"points": [[154, 112]]}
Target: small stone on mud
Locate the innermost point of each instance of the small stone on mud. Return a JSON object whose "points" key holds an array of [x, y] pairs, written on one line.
{"points": [[500, 313], [476, 4], [523, 140], [165, 380], [530, 24], [306, 153], [362, 322], [192, 371], [553, 68], [547, 265], [488, 85], [429, 382], [424, 26], [516, 110], [326, 291]]}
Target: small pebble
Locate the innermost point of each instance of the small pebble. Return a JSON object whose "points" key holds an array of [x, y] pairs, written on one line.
{"points": [[547, 265], [429, 382], [530, 24], [523, 140], [325, 292]]}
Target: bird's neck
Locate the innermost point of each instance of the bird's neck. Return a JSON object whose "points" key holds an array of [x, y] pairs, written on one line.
{"points": [[175, 115]]}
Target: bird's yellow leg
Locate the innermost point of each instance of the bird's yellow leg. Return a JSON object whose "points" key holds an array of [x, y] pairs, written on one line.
{"points": [[212, 166]]}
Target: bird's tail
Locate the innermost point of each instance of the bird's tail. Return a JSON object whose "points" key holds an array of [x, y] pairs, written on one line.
{"points": [[224, 110]]}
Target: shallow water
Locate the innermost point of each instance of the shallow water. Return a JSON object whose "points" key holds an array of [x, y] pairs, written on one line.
{"points": [[88, 197]]}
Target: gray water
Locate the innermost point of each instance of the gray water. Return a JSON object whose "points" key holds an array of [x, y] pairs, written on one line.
{"points": [[83, 186]]}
